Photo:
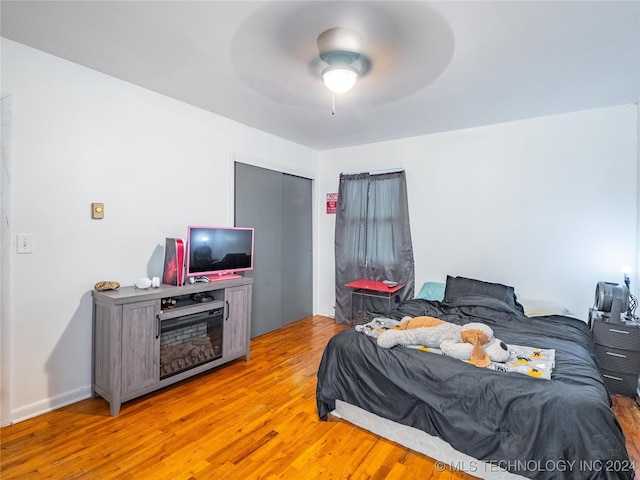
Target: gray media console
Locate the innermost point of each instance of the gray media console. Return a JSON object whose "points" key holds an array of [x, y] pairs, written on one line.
{"points": [[147, 339]]}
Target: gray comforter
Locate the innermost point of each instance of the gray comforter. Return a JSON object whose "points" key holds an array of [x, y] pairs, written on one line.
{"points": [[542, 429]]}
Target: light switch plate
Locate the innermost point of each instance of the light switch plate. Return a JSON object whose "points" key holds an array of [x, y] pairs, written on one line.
{"points": [[24, 242], [97, 210]]}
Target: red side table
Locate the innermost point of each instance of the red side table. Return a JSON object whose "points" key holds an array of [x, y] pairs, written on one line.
{"points": [[372, 288]]}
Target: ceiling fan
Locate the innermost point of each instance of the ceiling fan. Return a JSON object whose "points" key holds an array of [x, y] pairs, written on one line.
{"points": [[341, 49], [287, 50]]}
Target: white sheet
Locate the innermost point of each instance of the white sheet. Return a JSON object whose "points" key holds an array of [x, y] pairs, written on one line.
{"points": [[421, 442]]}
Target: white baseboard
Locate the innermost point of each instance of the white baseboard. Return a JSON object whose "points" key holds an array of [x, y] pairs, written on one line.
{"points": [[326, 314], [49, 404]]}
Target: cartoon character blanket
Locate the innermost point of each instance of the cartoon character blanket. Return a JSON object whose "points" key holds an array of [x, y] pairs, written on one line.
{"points": [[535, 362]]}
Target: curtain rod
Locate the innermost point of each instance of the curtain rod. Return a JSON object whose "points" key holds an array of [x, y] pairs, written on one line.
{"points": [[376, 172]]}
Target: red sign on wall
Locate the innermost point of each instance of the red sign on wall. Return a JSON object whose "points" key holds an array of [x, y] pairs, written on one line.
{"points": [[332, 202]]}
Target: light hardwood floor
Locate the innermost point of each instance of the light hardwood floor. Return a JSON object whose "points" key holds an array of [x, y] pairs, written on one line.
{"points": [[248, 420]]}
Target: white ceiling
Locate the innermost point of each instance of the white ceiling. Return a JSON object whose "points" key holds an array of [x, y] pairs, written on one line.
{"points": [[435, 66]]}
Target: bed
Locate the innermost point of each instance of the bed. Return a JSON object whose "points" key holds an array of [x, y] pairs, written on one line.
{"points": [[492, 424]]}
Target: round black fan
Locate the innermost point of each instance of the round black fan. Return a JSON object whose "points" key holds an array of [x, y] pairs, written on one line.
{"points": [[608, 294]]}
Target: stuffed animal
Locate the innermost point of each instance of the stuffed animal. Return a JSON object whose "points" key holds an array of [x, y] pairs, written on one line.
{"points": [[474, 341]]}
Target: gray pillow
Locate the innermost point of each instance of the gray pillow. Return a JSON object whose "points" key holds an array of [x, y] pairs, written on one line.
{"points": [[460, 287]]}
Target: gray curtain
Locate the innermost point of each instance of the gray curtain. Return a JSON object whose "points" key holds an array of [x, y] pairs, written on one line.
{"points": [[372, 238]]}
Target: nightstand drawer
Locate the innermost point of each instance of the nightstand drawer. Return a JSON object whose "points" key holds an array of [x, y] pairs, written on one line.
{"points": [[618, 360], [616, 335], [620, 383]]}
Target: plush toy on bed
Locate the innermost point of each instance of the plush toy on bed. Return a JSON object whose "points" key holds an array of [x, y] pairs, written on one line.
{"points": [[473, 342]]}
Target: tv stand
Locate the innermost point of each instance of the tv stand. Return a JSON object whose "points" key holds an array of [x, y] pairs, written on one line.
{"points": [[213, 278], [139, 342], [224, 276]]}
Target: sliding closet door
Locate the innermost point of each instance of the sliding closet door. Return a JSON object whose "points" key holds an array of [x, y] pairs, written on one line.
{"points": [[296, 242], [278, 206], [258, 193]]}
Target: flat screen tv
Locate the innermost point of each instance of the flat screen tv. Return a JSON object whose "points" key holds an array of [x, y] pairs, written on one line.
{"points": [[219, 252]]}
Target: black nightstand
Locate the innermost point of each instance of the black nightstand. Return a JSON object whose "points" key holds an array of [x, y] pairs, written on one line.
{"points": [[618, 353]]}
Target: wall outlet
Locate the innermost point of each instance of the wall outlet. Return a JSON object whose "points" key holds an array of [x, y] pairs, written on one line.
{"points": [[24, 243]]}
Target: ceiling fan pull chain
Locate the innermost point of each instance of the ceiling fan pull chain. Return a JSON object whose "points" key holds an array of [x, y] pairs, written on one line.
{"points": [[333, 103]]}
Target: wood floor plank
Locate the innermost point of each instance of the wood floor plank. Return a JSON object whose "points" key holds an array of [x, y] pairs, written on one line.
{"points": [[246, 420]]}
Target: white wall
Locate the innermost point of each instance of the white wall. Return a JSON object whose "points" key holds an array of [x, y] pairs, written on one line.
{"points": [[157, 164], [548, 205]]}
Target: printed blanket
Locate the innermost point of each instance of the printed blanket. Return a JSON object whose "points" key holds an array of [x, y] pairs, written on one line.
{"points": [[535, 362]]}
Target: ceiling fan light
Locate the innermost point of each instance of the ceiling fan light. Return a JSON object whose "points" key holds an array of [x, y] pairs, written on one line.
{"points": [[339, 78]]}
